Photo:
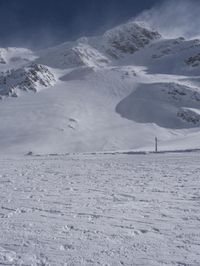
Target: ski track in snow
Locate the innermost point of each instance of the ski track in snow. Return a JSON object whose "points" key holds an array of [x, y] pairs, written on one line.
{"points": [[100, 210]]}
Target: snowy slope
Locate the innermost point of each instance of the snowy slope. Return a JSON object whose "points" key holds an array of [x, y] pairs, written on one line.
{"points": [[112, 92], [168, 105], [15, 57]]}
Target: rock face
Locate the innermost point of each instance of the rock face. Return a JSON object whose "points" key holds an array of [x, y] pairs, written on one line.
{"points": [[129, 38], [193, 61], [29, 78]]}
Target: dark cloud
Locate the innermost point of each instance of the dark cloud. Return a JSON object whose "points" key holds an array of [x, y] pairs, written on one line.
{"points": [[41, 23]]}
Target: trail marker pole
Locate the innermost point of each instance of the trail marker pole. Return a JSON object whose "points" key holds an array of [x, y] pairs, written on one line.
{"points": [[156, 145]]}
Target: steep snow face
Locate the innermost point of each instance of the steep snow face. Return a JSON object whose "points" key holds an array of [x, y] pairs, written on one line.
{"points": [[80, 54], [175, 56], [30, 78], [166, 104], [128, 38]]}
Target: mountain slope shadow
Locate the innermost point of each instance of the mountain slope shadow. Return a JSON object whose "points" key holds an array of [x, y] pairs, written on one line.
{"points": [[168, 105]]}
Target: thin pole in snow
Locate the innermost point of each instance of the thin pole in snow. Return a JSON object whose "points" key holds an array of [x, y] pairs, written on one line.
{"points": [[156, 145]]}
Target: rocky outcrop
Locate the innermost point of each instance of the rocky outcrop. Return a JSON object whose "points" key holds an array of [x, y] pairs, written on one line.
{"points": [[29, 78], [128, 38]]}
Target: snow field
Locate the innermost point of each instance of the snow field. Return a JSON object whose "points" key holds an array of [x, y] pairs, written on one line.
{"points": [[100, 210]]}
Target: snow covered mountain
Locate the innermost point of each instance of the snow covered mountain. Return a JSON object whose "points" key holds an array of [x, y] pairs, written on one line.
{"points": [[111, 92], [31, 77]]}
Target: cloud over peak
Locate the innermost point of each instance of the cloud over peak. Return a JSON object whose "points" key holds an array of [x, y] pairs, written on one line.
{"points": [[174, 18]]}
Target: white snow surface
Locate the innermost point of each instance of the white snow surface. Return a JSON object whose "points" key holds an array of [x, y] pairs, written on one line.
{"points": [[100, 210], [12, 57], [111, 92]]}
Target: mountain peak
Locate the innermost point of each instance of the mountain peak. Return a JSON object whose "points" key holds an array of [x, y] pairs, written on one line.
{"points": [[129, 79], [130, 37]]}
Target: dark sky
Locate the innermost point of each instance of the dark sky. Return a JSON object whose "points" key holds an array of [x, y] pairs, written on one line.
{"points": [[42, 23]]}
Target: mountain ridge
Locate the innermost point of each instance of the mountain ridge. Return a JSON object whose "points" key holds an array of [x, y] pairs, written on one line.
{"points": [[110, 92]]}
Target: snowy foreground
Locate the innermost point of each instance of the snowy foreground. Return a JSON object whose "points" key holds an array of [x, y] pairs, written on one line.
{"points": [[100, 210]]}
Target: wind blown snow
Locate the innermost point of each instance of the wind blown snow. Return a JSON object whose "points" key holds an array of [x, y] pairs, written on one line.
{"points": [[174, 18]]}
